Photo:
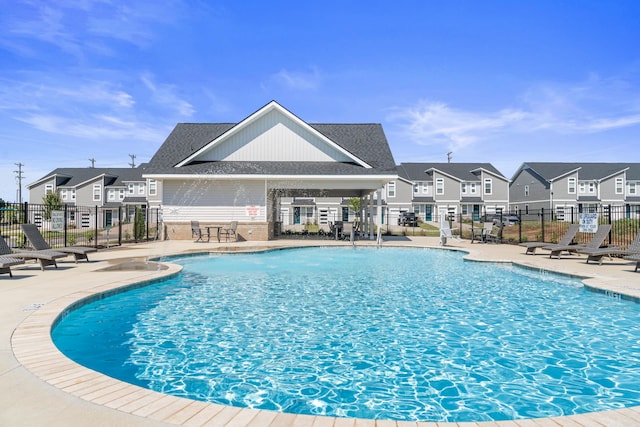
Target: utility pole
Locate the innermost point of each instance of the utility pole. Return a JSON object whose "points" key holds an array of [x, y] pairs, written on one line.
{"points": [[449, 156], [19, 178], [93, 163], [133, 160]]}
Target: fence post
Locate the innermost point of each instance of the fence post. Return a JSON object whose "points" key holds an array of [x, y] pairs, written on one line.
{"points": [[610, 223], [519, 215], [95, 231], [542, 224], [64, 229], [119, 225]]}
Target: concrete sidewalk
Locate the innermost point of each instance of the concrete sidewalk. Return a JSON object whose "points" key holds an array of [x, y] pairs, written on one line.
{"points": [[40, 387]]}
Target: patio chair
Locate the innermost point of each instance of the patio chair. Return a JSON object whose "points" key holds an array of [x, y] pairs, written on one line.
{"points": [[568, 237], [480, 234], [45, 258], [7, 261], [595, 242], [494, 236], [597, 254], [230, 231], [198, 232], [38, 243]]}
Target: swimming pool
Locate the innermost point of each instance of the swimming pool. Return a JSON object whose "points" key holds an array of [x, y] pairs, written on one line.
{"points": [[390, 333]]}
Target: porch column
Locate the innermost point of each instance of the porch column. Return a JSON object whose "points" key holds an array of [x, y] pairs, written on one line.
{"points": [[370, 210], [379, 216]]}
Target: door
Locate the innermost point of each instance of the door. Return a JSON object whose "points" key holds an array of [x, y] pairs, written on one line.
{"points": [[296, 215]]}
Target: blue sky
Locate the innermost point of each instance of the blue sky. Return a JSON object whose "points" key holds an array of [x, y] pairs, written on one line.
{"points": [[491, 81]]}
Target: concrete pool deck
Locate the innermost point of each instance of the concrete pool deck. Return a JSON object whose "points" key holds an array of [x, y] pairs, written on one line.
{"points": [[41, 387]]}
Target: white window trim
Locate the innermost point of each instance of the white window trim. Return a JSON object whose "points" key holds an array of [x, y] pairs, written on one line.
{"points": [[153, 187], [619, 186], [97, 195], [439, 186], [571, 186], [490, 182], [391, 189]]}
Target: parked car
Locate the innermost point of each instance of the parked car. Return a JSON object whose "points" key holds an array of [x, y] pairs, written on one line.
{"points": [[506, 219], [510, 220], [408, 219]]}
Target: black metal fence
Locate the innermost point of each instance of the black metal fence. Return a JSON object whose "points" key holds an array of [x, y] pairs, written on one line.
{"points": [[71, 225], [546, 225]]}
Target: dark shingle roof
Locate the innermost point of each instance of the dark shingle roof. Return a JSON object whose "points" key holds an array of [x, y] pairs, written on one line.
{"points": [[71, 177], [587, 171], [462, 171], [364, 141]]}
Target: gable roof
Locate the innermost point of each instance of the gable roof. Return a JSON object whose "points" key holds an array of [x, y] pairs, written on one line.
{"points": [[364, 146], [73, 177], [551, 171], [460, 171]]}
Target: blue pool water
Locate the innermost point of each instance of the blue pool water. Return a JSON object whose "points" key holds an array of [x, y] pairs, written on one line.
{"points": [[389, 333]]}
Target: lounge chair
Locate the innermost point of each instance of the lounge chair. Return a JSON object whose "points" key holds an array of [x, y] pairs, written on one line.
{"points": [[568, 237], [636, 258], [595, 242], [445, 231], [596, 254], [198, 232], [43, 257], [230, 231], [38, 243], [7, 261], [481, 234]]}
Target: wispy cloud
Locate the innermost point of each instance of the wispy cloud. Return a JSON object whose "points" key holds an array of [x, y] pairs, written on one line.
{"points": [[593, 106], [80, 27], [90, 109], [298, 80], [166, 95]]}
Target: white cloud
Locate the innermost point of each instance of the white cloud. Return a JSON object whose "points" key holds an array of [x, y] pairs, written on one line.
{"points": [[79, 27], [298, 80], [165, 96], [593, 106]]}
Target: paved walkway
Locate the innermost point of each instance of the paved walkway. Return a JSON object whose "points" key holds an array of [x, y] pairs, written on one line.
{"points": [[40, 387]]}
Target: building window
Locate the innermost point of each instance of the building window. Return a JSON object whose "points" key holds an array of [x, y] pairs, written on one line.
{"points": [[619, 186], [592, 189], [468, 188], [572, 186], [131, 188], [63, 194], [73, 194], [112, 195], [97, 189], [632, 188], [141, 188], [439, 186], [583, 187], [526, 190], [391, 189], [153, 187], [48, 189], [121, 194], [488, 184]]}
